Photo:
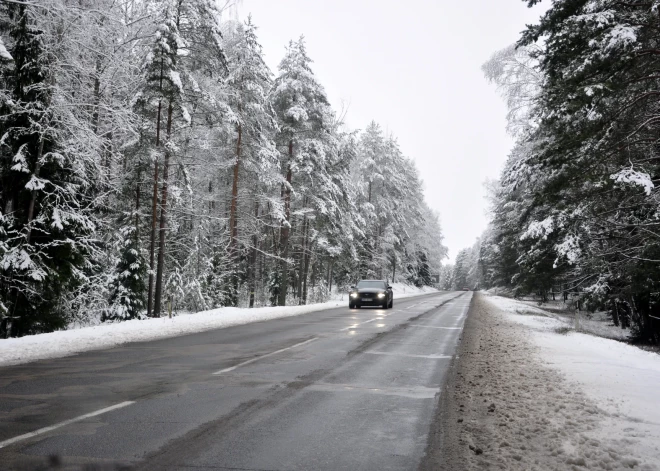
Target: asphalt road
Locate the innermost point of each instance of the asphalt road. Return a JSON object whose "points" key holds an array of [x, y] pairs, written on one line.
{"points": [[335, 389]]}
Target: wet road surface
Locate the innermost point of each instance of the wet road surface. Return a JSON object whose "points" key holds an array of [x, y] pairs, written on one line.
{"points": [[335, 389]]}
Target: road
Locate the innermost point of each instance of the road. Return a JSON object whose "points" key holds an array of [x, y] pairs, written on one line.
{"points": [[335, 389]]}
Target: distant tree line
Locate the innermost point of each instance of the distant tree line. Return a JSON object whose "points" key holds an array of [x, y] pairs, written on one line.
{"points": [[149, 156]]}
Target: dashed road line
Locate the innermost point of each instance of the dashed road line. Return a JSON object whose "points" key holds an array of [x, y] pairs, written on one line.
{"points": [[231, 368], [63, 424], [410, 355], [353, 326], [434, 327]]}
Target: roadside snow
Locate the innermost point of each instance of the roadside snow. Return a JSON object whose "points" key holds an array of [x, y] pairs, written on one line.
{"points": [[69, 342], [622, 381], [596, 323]]}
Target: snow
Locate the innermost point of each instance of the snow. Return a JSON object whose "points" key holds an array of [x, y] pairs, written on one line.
{"points": [[570, 249], [186, 115], [622, 36], [20, 164], [4, 53], [36, 184], [538, 229], [175, 77], [15, 351], [621, 381], [634, 177], [297, 113]]}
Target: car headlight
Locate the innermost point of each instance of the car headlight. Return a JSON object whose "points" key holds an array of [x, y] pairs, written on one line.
{"points": [[381, 295], [354, 295]]}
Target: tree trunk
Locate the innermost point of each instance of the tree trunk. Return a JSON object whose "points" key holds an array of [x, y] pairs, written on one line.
{"points": [[152, 247], [380, 252], [253, 259], [154, 205], [284, 234], [33, 200], [393, 268], [97, 96], [137, 205], [301, 270], [163, 218], [307, 258], [233, 223]]}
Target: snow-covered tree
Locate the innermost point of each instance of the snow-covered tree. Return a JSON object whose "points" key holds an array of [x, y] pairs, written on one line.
{"points": [[305, 120]]}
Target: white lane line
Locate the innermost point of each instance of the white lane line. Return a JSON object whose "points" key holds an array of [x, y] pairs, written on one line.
{"points": [[62, 424], [353, 326], [419, 392], [433, 327], [432, 357], [231, 368]]}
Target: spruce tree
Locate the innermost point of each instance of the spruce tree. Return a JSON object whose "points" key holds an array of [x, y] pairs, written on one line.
{"points": [[46, 190]]}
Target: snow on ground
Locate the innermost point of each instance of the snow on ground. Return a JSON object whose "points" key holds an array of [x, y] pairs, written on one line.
{"points": [[69, 342], [622, 382], [596, 323]]}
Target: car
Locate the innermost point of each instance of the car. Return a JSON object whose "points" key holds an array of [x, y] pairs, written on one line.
{"points": [[371, 293]]}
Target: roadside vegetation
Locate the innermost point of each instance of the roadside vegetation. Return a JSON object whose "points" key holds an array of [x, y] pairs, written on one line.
{"points": [[574, 215], [150, 158]]}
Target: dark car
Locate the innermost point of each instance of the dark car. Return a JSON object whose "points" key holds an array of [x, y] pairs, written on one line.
{"points": [[371, 293]]}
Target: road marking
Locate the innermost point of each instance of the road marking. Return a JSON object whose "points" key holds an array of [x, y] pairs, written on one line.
{"points": [[231, 368], [63, 424], [353, 326], [419, 392], [432, 357], [433, 327]]}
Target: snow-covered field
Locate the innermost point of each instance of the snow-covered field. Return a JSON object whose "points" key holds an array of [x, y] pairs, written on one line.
{"points": [[68, 342], [621, 381]]}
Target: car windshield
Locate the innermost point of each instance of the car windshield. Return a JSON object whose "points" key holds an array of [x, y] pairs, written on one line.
{"points": [[371, 284]]}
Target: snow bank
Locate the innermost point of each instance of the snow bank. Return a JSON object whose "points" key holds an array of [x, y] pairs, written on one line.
{"points": [[622, 380], [68, 342]]}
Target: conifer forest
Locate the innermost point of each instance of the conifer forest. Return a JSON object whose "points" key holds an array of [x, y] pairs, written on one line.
{"points": [[150, 160], [574, 214]]}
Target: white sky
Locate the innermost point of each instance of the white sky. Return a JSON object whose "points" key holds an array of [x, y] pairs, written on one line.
{"points": [[414, 67]]}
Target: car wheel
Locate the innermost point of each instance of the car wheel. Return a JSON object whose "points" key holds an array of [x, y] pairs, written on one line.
{"points": [[351, 306], [391, 303]]}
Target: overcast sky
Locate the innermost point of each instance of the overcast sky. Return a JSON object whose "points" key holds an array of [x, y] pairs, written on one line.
{"points": [[413, 66]]}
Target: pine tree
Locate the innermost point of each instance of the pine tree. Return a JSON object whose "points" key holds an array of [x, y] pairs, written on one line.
{"points": [[304, 117], [249, 81], [163, 90]]}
